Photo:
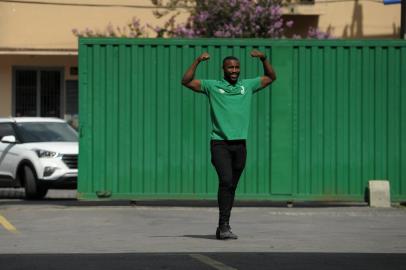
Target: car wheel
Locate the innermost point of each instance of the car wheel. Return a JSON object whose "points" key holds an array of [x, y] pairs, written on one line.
{"points": [[33, 190]]}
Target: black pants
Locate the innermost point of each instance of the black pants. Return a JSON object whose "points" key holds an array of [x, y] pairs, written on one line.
{"points": [[228, 157]]}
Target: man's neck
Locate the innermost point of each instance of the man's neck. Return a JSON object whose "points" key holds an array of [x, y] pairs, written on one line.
{"points": [[231, 82]]}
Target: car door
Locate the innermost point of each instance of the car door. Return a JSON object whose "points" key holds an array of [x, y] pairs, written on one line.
{"points": [[8, 155]]}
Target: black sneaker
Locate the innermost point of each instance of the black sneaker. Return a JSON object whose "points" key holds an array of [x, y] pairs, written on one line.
{"points": [[224, 232]]}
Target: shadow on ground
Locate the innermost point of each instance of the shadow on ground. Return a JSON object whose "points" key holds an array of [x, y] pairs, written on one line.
{"points": [[207, 236], [205, 261]]}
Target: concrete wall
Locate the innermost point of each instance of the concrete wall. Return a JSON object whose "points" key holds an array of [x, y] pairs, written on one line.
{"points": [[357, 19], [349, 19], [50, 26]]}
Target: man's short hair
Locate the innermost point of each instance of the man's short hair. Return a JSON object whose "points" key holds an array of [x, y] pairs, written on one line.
{"points": [[230, 58]]}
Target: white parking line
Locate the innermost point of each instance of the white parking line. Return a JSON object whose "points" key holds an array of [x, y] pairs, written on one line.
{"points": [[7, 225], [213, 263]]}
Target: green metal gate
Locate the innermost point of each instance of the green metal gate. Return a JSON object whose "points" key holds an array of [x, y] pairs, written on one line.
{"points": [[334, 119]]}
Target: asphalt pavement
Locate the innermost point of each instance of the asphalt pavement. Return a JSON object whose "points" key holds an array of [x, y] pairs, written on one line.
{"points": [[62, 233]]}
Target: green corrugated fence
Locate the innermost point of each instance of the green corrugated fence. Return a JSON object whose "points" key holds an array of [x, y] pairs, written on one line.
{"points": [[334, 119]]}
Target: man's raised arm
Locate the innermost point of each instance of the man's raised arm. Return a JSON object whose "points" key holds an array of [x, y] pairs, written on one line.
{"points": [[188, 78], [269, 73]]}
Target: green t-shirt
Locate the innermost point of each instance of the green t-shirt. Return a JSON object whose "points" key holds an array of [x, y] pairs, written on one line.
{"points": [[230, 107]]}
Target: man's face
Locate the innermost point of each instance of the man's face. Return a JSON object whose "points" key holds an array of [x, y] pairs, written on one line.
{"points": [[231, 70]]}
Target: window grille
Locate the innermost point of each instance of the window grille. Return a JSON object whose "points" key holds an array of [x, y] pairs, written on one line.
{"points": [[37, 92]]}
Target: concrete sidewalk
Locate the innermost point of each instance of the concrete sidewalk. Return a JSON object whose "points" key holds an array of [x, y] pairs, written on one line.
{"points": [[58, 227]]}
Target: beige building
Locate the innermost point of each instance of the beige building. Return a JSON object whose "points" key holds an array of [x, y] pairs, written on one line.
{"points": [[38, 52]]}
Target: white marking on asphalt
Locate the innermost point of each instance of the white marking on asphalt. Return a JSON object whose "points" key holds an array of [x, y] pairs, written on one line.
{"points": [[7, 225], [213, 263]]}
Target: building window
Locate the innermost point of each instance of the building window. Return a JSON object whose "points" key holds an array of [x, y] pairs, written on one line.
{"points": [[37, 92], [26, 93], [306, 2], [301, 23]]}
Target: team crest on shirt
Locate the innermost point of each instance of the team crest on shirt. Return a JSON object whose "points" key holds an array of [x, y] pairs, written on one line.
{"points": [[242, 90], [221, 91]]}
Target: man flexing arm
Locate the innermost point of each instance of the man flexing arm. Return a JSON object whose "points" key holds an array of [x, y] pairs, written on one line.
{"points": [[188, 78], [269, 73]]}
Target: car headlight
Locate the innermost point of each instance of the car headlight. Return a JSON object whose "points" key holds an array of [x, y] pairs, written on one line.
{"points": [[45, 154]]}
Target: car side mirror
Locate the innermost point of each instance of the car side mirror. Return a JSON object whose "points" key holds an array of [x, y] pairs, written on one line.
{"points": [[9, 139]]}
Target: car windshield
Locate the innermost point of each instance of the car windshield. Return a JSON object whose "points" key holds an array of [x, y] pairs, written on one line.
{"points": [[46, 132]]}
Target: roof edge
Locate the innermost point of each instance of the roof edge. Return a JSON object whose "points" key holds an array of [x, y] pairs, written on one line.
{"points": [[37, 51]]}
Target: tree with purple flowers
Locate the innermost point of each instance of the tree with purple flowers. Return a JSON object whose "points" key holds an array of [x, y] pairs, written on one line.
{"points": [[211, 18], [226, 18]]}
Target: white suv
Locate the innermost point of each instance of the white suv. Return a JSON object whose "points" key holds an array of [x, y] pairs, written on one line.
{"points": [[38, 154]]}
